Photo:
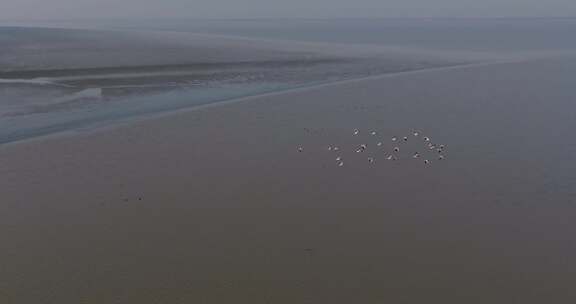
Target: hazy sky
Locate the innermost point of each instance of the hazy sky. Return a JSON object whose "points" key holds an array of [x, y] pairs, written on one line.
{"points": [[49, 9]]}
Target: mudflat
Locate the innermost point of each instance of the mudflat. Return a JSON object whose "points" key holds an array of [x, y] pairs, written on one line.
{"points": [[218, 204]]}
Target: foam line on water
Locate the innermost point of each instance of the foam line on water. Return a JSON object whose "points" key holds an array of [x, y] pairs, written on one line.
{"points": [[35, 81]]}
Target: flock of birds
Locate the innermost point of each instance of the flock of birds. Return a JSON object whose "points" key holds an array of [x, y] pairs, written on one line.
{"points": [[437, 150]]}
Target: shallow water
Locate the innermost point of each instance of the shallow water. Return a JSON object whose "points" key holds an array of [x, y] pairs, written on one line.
{"points": [[54, 80]]}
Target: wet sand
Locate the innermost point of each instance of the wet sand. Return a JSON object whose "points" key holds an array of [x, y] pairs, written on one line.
{"points": [[216, 205]]}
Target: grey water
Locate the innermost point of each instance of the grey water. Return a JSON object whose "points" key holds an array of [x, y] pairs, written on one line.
{"points": [[54, 78], [478, 34]]}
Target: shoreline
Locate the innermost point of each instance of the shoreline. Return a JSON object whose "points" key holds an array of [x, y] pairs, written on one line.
{"points": [[255, 73], [123, 122]]}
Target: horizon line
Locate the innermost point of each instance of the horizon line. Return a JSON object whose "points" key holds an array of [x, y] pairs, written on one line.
{"points": [[278, 18]]}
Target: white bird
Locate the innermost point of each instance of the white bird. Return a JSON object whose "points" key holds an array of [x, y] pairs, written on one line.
{"points": [[426, 138], [363, 146], [394, 138], [379, 144], [329, 148], [340, 164], [391, 157], [426, 161], [356, 131], [416, 155], [405, 138], [415, 133], [441, 157], [300, 149], [335, 148], [338, 158], [373, 133]]}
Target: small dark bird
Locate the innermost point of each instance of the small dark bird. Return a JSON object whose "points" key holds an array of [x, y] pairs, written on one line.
{"points": [[396, 149], [405, 138], [416, 155]]}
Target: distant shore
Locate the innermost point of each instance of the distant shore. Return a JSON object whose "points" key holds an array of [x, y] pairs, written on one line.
{"points": [[60, 80]]}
